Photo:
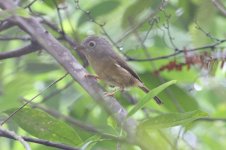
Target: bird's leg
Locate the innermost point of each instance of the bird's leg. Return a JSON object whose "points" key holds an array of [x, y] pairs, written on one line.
{"points": [[91, 76], [122, 89], [112, 93]]}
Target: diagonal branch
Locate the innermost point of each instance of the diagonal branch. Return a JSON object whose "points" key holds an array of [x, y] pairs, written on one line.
{"points": [[71, 65], [220, 6], [65, 37]]}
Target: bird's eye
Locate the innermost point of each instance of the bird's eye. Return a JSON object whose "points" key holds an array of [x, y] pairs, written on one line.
{"points": [[92, 44]]}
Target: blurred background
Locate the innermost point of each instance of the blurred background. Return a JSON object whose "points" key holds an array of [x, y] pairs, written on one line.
{"points": [[161, 40]]}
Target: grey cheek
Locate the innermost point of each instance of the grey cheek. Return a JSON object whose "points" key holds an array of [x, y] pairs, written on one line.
{"points": [[91, 49]]}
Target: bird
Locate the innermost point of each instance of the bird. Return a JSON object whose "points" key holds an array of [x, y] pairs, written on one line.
{"points": [[110, 66]]}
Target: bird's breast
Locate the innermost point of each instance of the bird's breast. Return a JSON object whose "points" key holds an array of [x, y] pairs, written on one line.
{"points": [[111, 73]]}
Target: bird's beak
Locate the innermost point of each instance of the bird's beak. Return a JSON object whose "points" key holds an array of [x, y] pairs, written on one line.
{"points": [[79, 47]]}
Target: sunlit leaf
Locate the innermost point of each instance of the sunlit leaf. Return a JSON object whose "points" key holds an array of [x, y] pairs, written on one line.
{"points": [[44, 126], [149, 96], [171, 119], [19, 85], [111, 122], [177, 98], [53, 3], [90, 142]]}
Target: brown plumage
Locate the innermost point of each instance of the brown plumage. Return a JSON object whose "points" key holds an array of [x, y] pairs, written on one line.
{"points": [[109, 66]]}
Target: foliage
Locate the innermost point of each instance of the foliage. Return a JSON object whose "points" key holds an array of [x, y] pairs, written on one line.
{"points": [[41, 125], [163, 42]]}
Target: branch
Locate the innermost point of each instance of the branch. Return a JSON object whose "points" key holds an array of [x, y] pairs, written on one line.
{"points": [[219, 6], [15, 136], [31, 3], [151, 15], [20, 52], [5, 25], [39, 141], [179, 51], [92, 19], [68, 39], [7, 38], [71, 65]]}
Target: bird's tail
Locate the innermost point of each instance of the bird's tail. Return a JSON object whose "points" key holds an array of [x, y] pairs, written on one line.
{"points": [[146, 90]]}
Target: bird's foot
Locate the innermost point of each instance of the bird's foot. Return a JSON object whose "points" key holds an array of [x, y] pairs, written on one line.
{"points": [[109, 93], [91, 76], [113, 92]]}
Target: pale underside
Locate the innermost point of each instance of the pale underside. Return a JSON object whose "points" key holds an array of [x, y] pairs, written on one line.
{"points": [[113, 73]]}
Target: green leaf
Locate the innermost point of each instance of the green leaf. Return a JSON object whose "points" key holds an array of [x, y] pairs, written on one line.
{"points": [[183, 100], [20, 85], [91, 142], [149, 96], [21, 12], [111, 122], [52, 4], [44, 126], [99, 10], [171, 119]]}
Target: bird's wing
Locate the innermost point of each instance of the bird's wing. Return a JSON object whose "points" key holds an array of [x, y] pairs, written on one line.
{"points": [[121, 62]]}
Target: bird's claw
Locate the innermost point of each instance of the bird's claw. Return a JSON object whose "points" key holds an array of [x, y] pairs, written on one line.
{"points": [[109, 93], [91, 76]]}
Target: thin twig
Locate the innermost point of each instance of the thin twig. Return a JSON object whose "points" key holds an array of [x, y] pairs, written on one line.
{"points": [[38, 141], [148, 55], [179, 51], [138, 25], [198, 26], [15, 136], [59, 16], [151, 23], [92, 19], [46, 98], [167, 27], [29, 5], [53, 83]]}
